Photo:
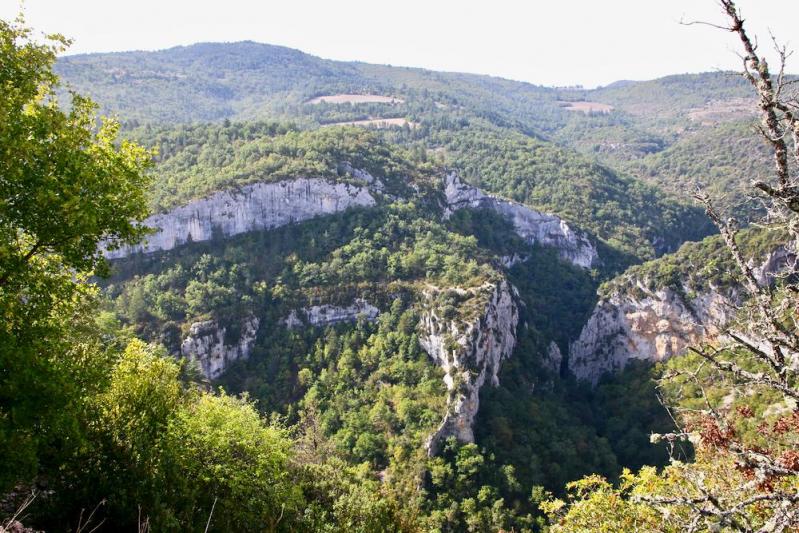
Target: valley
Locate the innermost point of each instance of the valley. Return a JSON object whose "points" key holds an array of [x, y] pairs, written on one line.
{"points": [[341, 296]]}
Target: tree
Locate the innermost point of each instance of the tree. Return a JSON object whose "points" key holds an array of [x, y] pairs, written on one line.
{"points": [[66, 186], [746, 473], [163, 452], [217, 449], [65, 183]]}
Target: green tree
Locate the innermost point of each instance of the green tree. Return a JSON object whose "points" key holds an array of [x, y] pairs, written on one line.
{"points": [[221, 455], [169, 454], [66, 186]]}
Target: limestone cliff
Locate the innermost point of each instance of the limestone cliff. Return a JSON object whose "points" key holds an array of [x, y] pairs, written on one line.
{"points": [[324, 315], [206, 345], [652, 325], [252, 207], [468, 348], [261, 206], [636, 321], [531, 225]]}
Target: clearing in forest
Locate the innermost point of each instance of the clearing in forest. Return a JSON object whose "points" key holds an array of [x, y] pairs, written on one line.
{"points": [[355, 99], [587, 107], [376, 122]]}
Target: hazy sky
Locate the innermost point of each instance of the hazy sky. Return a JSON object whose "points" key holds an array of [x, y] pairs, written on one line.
{"points": [[550, 42]]}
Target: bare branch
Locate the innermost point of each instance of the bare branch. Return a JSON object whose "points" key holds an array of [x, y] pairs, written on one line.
{"points": [[750, 377], [213, 506]]}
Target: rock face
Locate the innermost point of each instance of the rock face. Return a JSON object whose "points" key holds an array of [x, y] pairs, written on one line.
{"points": [[253, 207], [261, 206], [781, 260], [531, 225], [206, 345], [508, 261], [554, 358], [324, 315], [653, 325], [470, 352], [661, 324]]}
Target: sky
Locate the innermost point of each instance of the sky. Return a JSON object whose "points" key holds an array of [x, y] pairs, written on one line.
{"points": [[547, 42]]}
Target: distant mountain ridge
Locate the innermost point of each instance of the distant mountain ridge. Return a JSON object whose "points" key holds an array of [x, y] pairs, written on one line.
{"points": [[230, 80], [623, 126]]}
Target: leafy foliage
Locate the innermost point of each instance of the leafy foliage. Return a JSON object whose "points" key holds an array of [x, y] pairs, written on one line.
{"points": [[64, 186]]}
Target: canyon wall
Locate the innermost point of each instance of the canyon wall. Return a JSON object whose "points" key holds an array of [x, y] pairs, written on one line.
{"points": [[325, 315], [205, 344], [636, 321], [531, 225], [469, 350], [252, 207]]}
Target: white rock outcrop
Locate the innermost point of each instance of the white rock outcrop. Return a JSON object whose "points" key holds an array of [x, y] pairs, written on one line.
{"points": [[206, 345], [252, 207], [653, 325], [469, 351], [553, 359], [531, 225], [509, 261], [362, 175], [324, 315]]}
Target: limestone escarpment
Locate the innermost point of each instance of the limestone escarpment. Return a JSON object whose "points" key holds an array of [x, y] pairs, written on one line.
{"points": [[325, 315], [468, 349], [205, 344], [263, 206], [531, 225], [659, 325], [252, 207], [648, 324]]}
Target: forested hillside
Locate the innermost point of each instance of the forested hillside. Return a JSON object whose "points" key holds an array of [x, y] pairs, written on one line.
{"points": [[278, 292], [631, 128], [634, 220], [253, 80]]}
